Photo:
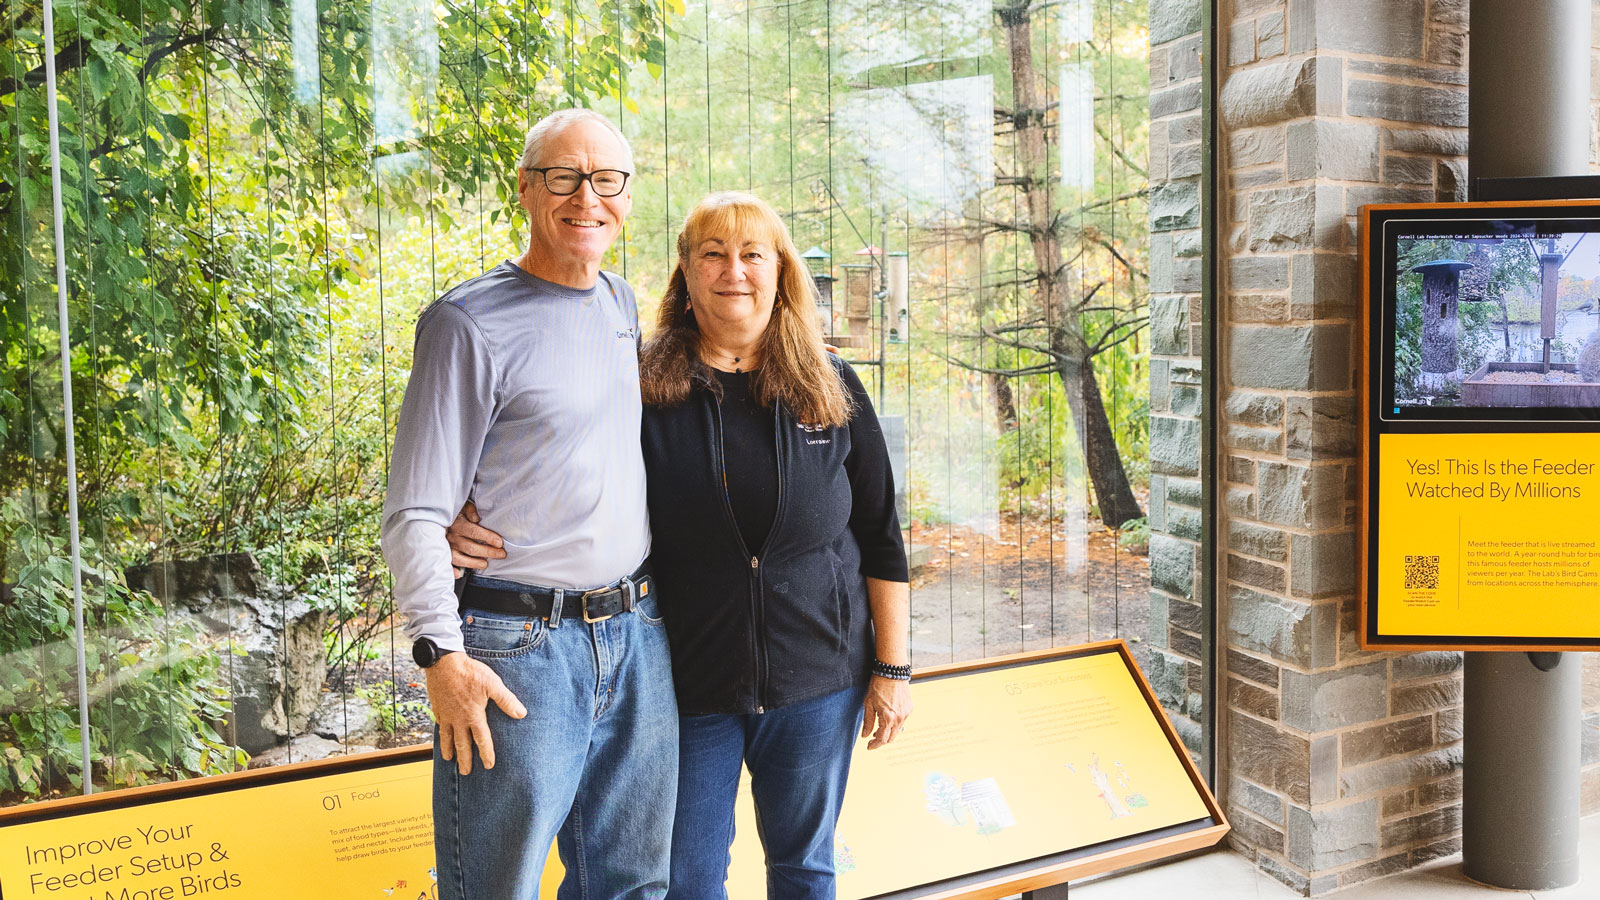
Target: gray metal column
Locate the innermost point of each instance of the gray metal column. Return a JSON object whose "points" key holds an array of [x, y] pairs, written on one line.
{"points": [[1528, 116]]}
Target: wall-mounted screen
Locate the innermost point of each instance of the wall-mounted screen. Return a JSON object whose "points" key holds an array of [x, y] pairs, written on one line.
{"points": [[1488, 312]]}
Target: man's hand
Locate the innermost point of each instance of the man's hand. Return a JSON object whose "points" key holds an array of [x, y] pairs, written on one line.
{"points": [[888, 707], [460, 688], [471, 544]]}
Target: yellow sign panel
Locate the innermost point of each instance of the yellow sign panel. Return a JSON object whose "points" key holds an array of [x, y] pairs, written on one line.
{"points": [[997, 766], [1489, 535]]}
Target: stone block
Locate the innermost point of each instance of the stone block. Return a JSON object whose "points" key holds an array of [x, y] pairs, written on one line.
{"points": [[1421, 828], [1242, 43], [1427, 853], [1186, 643], [1184, 492], [1256, 146], [1258, 273], [1447, 724], [1187, 244], [1357, 197], [1378, 868], [1173, 19], [1184, 161], [1449, 12], [1366, 745], [1281, 219], [1374, 27], [1253, 668], [1256, 573], [1370, 99], [1245, 181], [1183, 130], [1174, 205], [1158, 65], [1322, 427], [1324, 769], [1431, 664], [1331, 836], [1254, 832], [1287, 631], [1260, 802], [1443, 141], [1445, 790], [1407, 170], [1293, 879], [1425, 696], [1399, 803], [1185, 522], [1258, 702], [1160, 387], [1399, 771], [1239, 502], [1172, 566], [1273, 92], [1171, 101], [1258, 540], [1157, 632], [1186, 278], [1323, 286], [1270, 36], [1451, 185], [1169, 325], [1300, 496], [1186, 401], [1186, 373], [1447, 47], [1269, 757], [1241, 470], [1336, 698], [1330, 86], [1331, 231], [1335, 151], [1253, 440], [1244, 308], [1434, 74], [1161, 262], [1249, 408], [1183, 60], [1292, 358], [1174, 446], [1322, 565]]}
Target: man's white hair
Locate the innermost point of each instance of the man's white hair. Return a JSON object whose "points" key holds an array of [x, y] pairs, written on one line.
{"points": [[551, 125]]}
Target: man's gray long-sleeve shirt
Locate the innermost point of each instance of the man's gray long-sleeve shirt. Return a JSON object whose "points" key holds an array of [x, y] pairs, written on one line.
{"points": [[524, 396]]}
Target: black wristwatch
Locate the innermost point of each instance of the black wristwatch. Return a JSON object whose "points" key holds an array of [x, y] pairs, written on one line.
{"points": [[425, 653]]}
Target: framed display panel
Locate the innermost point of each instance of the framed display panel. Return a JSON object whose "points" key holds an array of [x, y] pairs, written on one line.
{"points": [[1015, 773], [1480, 411]]}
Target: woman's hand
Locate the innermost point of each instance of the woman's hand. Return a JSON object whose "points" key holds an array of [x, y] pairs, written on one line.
{"points": [[471, 544], [888, 707]]}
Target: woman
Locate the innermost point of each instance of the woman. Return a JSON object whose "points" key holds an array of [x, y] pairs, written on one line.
{"points": [[777, 549]]}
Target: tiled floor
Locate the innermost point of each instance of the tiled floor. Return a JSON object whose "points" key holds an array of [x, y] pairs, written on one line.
{"points": [[1224, 875]]}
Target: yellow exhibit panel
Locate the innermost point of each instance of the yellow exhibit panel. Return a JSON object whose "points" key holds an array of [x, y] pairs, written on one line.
{"points": [[1004, 772], [1488, 535], [366, 833]]}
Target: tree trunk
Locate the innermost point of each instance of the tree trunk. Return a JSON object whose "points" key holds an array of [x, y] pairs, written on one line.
{"points": [[1072, 359], [1005, 404]]}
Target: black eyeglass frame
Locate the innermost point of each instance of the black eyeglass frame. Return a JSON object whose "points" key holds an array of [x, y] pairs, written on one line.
{"points": [[582, 177]]}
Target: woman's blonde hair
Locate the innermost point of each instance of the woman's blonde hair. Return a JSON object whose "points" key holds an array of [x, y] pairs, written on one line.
{"points": [[795, 369]]}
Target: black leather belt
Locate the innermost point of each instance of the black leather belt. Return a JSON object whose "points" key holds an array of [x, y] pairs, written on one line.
{"points": [[537, 602]]}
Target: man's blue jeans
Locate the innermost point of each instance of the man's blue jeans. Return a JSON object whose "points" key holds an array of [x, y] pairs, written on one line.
{"points": [[594, 764], [799, 758]]}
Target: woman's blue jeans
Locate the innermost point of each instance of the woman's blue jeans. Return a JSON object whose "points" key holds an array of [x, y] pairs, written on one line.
{"points": [[799, 758], [593, 765]]}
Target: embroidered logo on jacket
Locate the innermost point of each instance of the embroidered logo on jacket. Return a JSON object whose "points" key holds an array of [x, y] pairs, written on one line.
{"points": [[814, 429]]}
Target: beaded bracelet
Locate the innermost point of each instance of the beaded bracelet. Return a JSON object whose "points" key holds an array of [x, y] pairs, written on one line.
{"points": [[893, 673]]}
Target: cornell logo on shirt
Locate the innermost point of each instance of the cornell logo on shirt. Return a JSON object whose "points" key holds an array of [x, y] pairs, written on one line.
{"points": [[626, 335], [814, 429]]}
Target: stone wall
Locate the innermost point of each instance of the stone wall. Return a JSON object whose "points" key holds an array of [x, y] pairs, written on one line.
{"points": [[1344, 765], [1176, 400]]}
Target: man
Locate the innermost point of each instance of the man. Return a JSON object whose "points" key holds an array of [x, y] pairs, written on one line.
{"points": [[524, 397]]}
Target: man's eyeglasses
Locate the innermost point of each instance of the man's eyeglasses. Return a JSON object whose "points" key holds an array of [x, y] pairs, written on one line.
{"points": [[561, 181]]}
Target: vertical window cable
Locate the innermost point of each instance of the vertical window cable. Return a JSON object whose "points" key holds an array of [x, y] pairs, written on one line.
{"points": [[333, 408], [1113, 129], [749, 107], [905, 88], [387, 580], [278, 404], [831, 199], [1049, 381], [228, 531], [707, 47], [1016, 363], [477, 138], [949, 366], [788, 103], [666, 141], [622, 106], [54, 123], [1084, 263]]}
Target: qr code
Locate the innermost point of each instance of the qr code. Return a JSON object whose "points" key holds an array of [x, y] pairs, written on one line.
{"points": [[1422, 573]]}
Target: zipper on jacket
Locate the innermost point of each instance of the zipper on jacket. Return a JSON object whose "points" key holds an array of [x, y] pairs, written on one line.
{"points": [[756, 620]]}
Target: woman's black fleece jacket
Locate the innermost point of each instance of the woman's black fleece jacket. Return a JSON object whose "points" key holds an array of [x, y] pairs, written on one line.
{"points": [[756, 628]]}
